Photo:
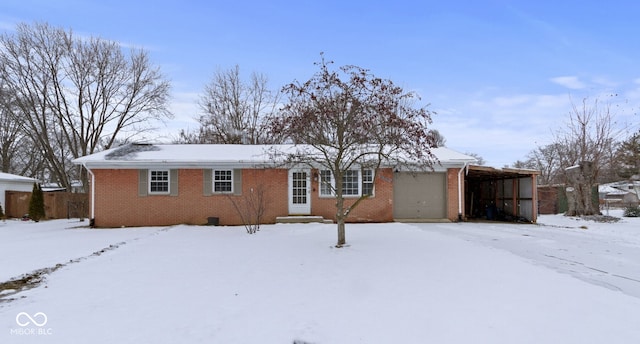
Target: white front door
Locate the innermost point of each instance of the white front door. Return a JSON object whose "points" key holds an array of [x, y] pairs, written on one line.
{"points": [[299, 192]]}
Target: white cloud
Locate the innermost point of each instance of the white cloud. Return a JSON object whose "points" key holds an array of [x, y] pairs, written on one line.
{"points": [[501, 128], [511, 101], [605, 82], [571, 82]]}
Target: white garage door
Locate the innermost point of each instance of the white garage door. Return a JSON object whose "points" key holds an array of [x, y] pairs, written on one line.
{"points": [[419, 195]]}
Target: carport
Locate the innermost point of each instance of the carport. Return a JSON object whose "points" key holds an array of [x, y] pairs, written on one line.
{"points": [[506, 194]]}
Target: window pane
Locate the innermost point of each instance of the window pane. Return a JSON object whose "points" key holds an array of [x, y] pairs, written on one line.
{"points": [[350, 183], [222, 181], [325, 183], [367, 182], [159, 181]]}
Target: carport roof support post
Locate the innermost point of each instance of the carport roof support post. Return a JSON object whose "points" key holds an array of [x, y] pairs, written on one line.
{"points": [[460, 190]]}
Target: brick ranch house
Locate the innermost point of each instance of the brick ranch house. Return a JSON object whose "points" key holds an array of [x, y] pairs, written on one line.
{"points": [[167, 184]]}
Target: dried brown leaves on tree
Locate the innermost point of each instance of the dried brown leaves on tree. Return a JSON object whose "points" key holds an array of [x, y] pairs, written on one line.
{"points": [[350, 119]]}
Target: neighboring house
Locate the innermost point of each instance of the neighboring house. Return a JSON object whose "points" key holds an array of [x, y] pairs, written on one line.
{"points": [[76, 187], [622, 193], [152, 185], [12, 182]]}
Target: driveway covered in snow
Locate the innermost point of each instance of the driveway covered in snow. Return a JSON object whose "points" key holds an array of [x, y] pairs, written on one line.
{"points": [[603, 254]]}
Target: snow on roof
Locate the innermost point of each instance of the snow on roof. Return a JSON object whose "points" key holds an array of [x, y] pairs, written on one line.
{"points": [[445, 154], [619, 188], [607, 190], [572, 167], [15, 178], [198, 155]]}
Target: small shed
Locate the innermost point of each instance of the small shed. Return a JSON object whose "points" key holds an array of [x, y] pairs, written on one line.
{"points": [[12, 182], [507, 194]]}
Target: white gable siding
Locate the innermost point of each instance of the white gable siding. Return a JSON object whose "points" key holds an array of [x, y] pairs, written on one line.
{"points": [[13, 185]]}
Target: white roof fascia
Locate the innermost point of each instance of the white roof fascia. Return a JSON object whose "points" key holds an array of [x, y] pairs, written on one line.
{"points": [[172, 159], [8, 177], [149, 164]]}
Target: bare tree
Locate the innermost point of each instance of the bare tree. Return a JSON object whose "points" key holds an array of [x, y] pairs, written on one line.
{"points": [[79, 95], [610, 166], [587, 139], [439, 140], [250, 207], [10, 130], [546, 159], [234, 110], [350, 119], [479, 159], [18, 154]]}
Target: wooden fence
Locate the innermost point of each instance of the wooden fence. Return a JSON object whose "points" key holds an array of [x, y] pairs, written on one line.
{"points": [[552, 199], [57, 205]]}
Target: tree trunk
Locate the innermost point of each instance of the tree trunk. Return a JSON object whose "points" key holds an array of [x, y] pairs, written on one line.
{"points": [[571, 201], [581, 181], [341, 233], [340, 219], [586, 201]]}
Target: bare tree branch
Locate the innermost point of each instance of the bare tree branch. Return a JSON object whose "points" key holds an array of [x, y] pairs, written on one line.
{"points": [[349, 119], [234, 111], [79, 95]]}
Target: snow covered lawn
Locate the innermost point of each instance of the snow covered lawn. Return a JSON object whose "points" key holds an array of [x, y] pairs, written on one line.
{"points": [[396, 283]]}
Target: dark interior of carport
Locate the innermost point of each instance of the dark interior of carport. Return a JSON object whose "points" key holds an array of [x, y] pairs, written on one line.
{"points": [[500, 194]]}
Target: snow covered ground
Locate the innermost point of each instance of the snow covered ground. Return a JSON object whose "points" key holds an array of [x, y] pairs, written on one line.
{"points": [[396, 283]]}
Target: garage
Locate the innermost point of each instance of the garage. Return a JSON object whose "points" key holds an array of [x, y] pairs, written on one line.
{"points": [[419, 195], [12, 182]]}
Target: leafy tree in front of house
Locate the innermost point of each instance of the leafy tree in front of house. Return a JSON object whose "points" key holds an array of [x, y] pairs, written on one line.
{"points": [[348, 119], [36, 204]]}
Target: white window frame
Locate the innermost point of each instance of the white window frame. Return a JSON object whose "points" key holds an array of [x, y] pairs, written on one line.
{"points": [[153, 180], [327, 185], [369, 180], [322, 189], [214, 181], [349, 179]]}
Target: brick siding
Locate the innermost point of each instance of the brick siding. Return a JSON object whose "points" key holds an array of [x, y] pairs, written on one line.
{"points": [[452, 194], [119, 204], [378, 208]]}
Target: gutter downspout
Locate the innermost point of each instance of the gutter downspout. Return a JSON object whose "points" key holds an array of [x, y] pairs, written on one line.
{"points": [[92, 217], [466, 164]]}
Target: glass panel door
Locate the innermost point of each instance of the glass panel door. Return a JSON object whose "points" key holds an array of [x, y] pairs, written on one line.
{"points": [[299, 192]]}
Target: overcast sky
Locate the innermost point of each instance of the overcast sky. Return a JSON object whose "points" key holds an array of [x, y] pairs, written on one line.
{"points": [[501, 75]]}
